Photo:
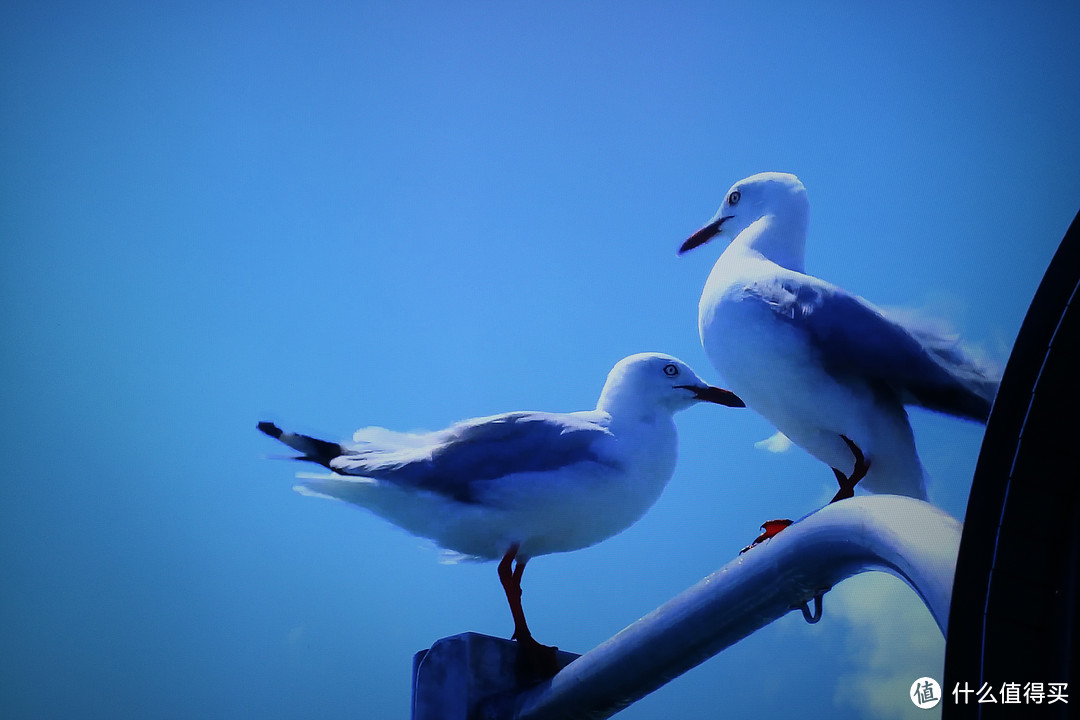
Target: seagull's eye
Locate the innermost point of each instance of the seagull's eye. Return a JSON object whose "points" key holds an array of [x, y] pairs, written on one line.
{"points": [[733, 198], [670, 370]]}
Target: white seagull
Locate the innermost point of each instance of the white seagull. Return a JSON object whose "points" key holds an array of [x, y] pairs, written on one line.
{"points": [[828, 369], [520, 484]]}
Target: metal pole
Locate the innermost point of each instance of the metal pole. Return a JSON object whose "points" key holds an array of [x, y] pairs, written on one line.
{"points": [[909, 538]]}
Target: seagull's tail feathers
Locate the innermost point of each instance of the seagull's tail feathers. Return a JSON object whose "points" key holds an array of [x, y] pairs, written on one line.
{"points": [[976, 378], [311, 449], [970, 380], [361, 491]]}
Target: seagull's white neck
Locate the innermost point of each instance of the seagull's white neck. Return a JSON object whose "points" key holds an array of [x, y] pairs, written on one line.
{"points": [[627, 407], [780, 238]]}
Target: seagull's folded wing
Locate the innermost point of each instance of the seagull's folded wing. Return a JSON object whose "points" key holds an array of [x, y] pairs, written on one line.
{"points": [[916, 362], [454, 461]]}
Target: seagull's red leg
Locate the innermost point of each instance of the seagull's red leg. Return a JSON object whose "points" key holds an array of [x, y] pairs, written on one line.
{"points": [[847, 489], [537, 659], [770, 528], [848, 482], [511, 582]]}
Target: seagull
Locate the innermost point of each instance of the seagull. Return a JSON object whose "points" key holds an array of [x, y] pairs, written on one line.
{"points": [[514, 486], [831, 371]]}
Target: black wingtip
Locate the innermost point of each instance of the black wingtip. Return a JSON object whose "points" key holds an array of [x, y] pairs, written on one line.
{"points": [[270, 429]]}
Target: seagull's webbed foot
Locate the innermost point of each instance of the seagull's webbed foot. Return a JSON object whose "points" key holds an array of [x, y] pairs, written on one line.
{"points": [[535, 660], [848, 482], [770, 528]]}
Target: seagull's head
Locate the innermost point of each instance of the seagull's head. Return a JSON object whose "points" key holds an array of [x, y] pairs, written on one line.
{"points": [[656, 380], [750, 199]]}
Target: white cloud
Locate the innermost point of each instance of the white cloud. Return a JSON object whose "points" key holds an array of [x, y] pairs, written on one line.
{"points": [[891, 641]]}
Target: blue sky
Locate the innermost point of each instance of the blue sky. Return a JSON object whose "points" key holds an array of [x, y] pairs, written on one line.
{"points": [[343, 214]]}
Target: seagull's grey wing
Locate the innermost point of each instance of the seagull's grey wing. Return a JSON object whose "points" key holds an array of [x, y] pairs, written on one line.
{"points": [[456, 459], [854, 339]]}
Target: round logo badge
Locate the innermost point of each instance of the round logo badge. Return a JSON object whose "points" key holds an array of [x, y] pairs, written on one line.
{"points": [[925, 693]]}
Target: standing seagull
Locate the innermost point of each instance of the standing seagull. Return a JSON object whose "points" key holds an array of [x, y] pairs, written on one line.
{"points": [[521, 484], [828, 369]]}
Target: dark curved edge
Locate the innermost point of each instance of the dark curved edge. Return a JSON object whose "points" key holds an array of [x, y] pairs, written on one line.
{"points": [[1015, 597]]}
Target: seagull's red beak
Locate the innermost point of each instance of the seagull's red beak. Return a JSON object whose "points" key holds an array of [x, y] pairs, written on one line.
{"points": [[704, 235], [708, 393]]}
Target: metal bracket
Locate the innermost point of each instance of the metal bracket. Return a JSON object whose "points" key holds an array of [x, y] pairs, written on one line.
{"points": [[817, 607]]}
